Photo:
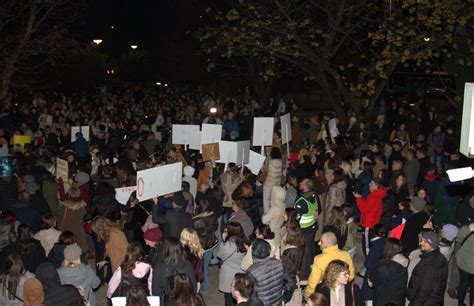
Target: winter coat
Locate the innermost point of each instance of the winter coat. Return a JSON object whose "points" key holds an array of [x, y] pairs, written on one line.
{"points": [[205, 225], [390, 281], [35, 256], [349, 298], [274, 216], [244, 220], [173, 222], [413, 227], [351, 235], [116, 247], [371, 208], [274, 173], [291, 258], [136, 218], [48, 238], [268, 274], [161, 272], [71, 216], [320, 264], [82, 277], [196, 262], [464, 254], [50, 193], [371, 262], [54, 293], [364, 178], [336, 197], [39, 203], [411, 170], [5, 301], [231, 260], [105, 206], [429, 279], [291, 196], [425, 164], [141, 270]]}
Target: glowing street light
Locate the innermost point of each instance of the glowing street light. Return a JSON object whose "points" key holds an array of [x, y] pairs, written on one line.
{"points": [[158, 83], [97, 41], [134, 47], [213, 110]]}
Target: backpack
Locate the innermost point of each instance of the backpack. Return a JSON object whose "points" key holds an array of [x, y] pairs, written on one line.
{"points": [[169, 282], [127, 282], [149, 224]]}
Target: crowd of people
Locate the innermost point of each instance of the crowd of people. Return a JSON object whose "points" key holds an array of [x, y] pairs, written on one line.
{"points": [[287, 236]]}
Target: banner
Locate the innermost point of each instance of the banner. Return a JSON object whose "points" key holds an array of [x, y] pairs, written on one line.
{"points": [[158, 181], [62, 169]]}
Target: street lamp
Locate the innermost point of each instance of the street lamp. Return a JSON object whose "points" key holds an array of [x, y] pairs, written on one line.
{"points": [[97, 41], [133, 47]]}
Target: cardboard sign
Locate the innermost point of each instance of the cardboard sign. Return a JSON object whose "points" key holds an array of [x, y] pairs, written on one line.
{"points": [[122, 195], [263, 131], [185, 134], [21, 140], [80, 129], [211, 133], [62, 169], [466, 144], [210, 151], [285, 128], [159, 181], [256, 162]]}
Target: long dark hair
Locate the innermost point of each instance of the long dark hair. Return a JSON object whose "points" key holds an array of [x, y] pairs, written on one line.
{"points": [[136, 295], [134, 253], [10, 279], [172, 251], [265, 231], [235, 231], [292, 217], [24, 241], [392, 247], [183, 292], [338, 174], [338, 219]]}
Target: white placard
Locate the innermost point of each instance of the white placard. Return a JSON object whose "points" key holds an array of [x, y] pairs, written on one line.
{"points": [[228, 152], [263, 131], [243, 149], [211, 133], [196, 145], [185, 134], [255, 162], [159, 181], [80, 129], [466, 144], [285, 128], [122, 195], [333, 131]]}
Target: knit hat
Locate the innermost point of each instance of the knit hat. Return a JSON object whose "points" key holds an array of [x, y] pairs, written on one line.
{"points": [[31, 188], [188, 171], [418, 203], [179, 199], [450, 232], [432, 238], [72, 252], [153, 234], [82, 178], [33, 293]]}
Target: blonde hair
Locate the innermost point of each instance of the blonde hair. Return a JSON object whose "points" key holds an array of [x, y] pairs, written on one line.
{"points": [[346, 168], [71, 263], [101, 227], [190, 238], [331, 274]]}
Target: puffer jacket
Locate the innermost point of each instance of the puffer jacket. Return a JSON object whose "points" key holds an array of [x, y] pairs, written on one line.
{"points": [[274, 216], [390, 281], [429, 279], [336, 197], [275, 171], [464, 254], [268, 274], [371, 208]]}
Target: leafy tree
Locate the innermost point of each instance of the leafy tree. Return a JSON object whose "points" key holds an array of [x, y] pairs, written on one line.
{"points": [[349, 48], [33, 35]]}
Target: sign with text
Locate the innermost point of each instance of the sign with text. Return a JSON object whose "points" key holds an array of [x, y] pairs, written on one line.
{"points": [[62, 169], [122, 195], [159, 181]]}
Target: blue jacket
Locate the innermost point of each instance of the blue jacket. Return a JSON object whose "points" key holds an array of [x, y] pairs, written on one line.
{"points": [[81, 147], [371, 263]]}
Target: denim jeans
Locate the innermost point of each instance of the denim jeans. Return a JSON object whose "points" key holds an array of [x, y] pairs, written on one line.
{"points": [[207, 261]]}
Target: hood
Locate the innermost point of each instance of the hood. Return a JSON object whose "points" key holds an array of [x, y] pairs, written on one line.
{"points": [[341, 184], [141, 269], [278, 195], [76, 275], [73, 205], [47, 274], [379, 193], [401, 259]]}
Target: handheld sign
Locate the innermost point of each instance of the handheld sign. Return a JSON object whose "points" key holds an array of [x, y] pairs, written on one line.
{"points": [[185, 134], [80, 129], [255, 163], [122, 195], [466, 144], [62, 169], [263, 131], [286, 131], [211, 133], [159, 181], [21, 140], [243, 149], [210, 151]]}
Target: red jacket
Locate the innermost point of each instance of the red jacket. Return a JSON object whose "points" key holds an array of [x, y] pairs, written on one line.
{"points": [[371, 208]]}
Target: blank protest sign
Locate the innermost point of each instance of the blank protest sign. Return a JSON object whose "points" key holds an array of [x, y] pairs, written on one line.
{"points": [[159, 181], [211, 133], [285, 128], [80, 129], [185, 134], [255, 162], [466, 145], [263, 131]]}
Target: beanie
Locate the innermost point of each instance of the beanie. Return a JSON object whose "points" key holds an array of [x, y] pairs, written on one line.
{"points": [[432, 238], [153, 234], [418, 203]]}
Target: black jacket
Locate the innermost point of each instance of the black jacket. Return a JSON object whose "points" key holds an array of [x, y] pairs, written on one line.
{"points": [[173, 222], [161, 272], [413, 227], [31, 260], [429, 279], [390, 282], [268, 275], [349, 298]]}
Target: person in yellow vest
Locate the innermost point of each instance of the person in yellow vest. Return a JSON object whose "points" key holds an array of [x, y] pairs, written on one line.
{"points": [[330, 252]]}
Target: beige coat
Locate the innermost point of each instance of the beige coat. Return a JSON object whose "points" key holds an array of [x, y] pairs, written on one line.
{"points": [[70, 219], [47, 238], [274, 173], [116, 247], [274, 217]]}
